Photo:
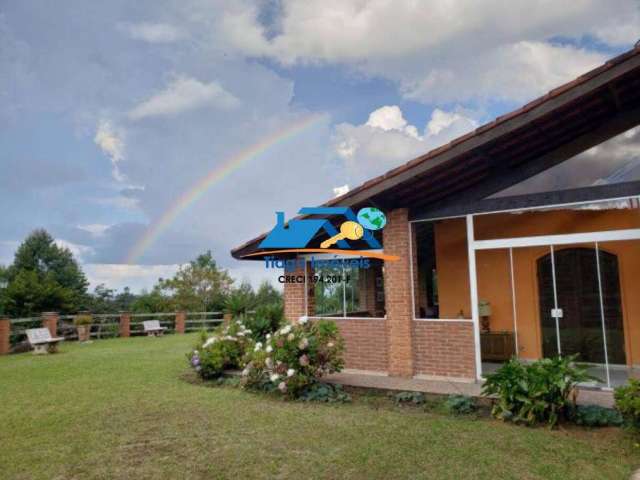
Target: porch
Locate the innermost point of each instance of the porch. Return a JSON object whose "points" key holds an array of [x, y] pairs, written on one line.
{"points": [[374, 380], [474, 290]]}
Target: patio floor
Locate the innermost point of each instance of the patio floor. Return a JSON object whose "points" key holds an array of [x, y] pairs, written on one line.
{"points": [[363, 379]]}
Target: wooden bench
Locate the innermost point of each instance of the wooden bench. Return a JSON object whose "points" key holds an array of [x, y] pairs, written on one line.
{"points": [[152, 328], [42, 341]]}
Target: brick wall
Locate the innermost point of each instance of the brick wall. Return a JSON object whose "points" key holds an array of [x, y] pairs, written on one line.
{"points": [[397, 290], [365, 344], [444, 349], [294, 297]]}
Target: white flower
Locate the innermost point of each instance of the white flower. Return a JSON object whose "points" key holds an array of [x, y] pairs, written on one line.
{"points": [[303, 320], [246, 330], [210, 341], [268, 362], [274, 377], [241, 334], [282, 387], [269, 349], [304, 343], [330, 344], [291, 372], [285, 330], [268, 336], [291, 336]]}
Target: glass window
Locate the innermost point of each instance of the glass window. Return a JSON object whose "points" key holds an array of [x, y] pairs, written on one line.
{"points": [[347, 291]]}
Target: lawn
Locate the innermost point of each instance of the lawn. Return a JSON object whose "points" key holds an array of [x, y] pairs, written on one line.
{"points": [[121, 409]]}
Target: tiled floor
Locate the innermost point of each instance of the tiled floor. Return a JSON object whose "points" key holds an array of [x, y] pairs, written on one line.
{"points": [[442, 387]]}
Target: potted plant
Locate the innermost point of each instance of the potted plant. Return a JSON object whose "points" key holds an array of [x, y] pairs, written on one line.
{"points": [[83, 323]]}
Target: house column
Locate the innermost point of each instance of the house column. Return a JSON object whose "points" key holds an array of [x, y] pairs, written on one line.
{"points": [[294, 294], [473, 289], [397, 290]]}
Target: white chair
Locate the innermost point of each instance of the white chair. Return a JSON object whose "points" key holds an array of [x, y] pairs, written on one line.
{"points": [[42, 341], [152, 328]]}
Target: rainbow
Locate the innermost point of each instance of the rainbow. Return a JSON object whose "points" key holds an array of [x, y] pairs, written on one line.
{"points": [[216, 175]]}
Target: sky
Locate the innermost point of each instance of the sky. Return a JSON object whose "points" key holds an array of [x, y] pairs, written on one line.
{"points": [[140, 134]]}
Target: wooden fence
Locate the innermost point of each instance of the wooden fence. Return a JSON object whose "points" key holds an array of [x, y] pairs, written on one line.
{"points": [[14, 339]]}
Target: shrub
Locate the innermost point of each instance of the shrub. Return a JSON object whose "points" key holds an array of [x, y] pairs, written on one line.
{"points": [[596, 416], [325, 392], [238, 304], [294, 357], [460, 405], [225, 349], [538, 392], [267, 319], [82, 320], [416, 398], [627, 399]]}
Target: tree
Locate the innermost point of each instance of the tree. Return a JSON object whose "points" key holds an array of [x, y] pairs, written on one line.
{"points": [[152, 302], [44, 277], [103, 300], [199, 285], [4, 282], [124, 300], [268, 295]]}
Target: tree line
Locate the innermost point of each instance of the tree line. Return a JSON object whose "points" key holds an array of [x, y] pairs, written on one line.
{"points": [[45, 277]]}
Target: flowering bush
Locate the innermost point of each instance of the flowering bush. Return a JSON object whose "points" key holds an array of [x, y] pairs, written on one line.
{"points": [[293, 357], [225, 349]]}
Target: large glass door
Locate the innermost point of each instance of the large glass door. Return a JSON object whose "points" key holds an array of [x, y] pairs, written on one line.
{"points": [[580, 306]]}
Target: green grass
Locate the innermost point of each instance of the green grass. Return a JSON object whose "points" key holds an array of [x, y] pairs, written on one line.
{"points": [[120, 409]]}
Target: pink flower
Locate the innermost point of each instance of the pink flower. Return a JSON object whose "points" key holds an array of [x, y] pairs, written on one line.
{"points": [[304, 360], [282, 387]]}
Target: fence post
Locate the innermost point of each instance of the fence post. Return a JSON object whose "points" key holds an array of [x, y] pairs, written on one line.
{"points": [[227, 317], [125, 324], [5, 332], [50, 321], [180, 321]]}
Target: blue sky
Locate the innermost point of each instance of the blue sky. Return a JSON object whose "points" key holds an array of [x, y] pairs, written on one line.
{"points": [[110, 110]]}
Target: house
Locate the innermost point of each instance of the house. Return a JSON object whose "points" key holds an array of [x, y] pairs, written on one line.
{"points": [[519, 238]]}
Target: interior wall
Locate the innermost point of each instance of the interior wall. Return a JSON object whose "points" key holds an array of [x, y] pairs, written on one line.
{"points": [[494, 284]]}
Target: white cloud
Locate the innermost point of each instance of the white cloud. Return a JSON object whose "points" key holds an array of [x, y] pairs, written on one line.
{"points": [[514, 72], [255, 273], [112, 144], [387, 140], [119, 276], [390, 118], [184, 94], [441, 51], [78, 251], [339, 191], [119, 201], [7, 251], [152, 32], [95, 229]]}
